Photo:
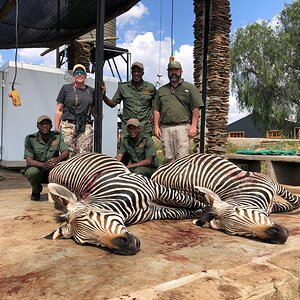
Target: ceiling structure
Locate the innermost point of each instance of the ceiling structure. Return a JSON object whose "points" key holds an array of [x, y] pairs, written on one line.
{"points": [[52, 23]]}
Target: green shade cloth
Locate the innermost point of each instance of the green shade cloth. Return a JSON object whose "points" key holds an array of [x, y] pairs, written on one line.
{"points": [[267, 152]]}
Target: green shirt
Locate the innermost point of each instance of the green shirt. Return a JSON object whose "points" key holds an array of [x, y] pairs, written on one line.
{"points": [[175, 105], [38, 150], [137, 102], [144, 147]]}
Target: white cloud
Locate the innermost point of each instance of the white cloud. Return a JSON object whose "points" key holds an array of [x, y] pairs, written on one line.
{"points": [[234, 112], [33, 56], [1, 60], [133, 15], [146, 49]]}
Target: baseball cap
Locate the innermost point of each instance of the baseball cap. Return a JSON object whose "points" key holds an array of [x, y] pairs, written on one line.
{"points": [[137, 64], [134, 122], [42, 118], [79, 66], [174, 65]]}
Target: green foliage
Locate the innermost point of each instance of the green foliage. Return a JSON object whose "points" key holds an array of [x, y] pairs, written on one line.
{"points": [[265, 68]]}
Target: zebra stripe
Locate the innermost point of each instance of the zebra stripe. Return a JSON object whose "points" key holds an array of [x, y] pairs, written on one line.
{"points": [[248, 196], [111, 197]]}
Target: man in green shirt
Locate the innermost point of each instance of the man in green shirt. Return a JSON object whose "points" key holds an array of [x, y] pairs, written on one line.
{"points": [[138, 150], [42, 151], [138, 97], [176, 114]]}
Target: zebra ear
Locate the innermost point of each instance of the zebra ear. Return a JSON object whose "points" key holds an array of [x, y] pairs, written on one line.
{"points": [[210, 196], [61, 196]]}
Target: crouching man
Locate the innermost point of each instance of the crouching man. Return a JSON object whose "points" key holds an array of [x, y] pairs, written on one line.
{"points": [[42, 151], [137, 151]]}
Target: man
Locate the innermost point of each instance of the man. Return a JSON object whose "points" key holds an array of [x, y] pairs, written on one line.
{"points": [[138, 97], [74, 109], [176, 114], [138, 149], [43, 151]]}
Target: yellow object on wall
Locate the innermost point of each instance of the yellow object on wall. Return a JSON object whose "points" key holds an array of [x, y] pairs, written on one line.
{"points": [[15, 98]]}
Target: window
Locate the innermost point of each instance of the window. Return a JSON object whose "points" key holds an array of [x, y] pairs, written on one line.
{"points": [[274, 134], [236, 134]]}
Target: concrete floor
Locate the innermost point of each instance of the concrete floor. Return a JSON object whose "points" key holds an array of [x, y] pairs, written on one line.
{"points": [[177, 260]]}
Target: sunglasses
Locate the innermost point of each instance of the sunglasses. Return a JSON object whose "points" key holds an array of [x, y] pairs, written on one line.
{"points": [[79, 72]]}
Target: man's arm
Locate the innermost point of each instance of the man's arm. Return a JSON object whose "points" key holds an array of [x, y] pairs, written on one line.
{"points": [[195, 119], [119, 156], [143, 163], [157, 131], [47, 165], [107, 101]]}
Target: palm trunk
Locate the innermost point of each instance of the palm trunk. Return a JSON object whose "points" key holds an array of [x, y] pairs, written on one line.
{"points": [[218, 70]]}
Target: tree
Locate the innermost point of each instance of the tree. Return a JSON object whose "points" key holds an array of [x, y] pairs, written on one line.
{"points": [[265, 68]]}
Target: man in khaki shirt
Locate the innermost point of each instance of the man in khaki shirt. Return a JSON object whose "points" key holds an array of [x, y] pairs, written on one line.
{"points": [[138, 97], [42, 151]]}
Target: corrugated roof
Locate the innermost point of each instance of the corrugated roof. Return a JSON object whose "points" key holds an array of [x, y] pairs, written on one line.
{"points": [[51, 23]]}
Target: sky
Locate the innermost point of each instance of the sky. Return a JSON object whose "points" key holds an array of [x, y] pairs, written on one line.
{"points": [[147, 33]]}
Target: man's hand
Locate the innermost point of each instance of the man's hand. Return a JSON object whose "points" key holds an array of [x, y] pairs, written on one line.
{"points": [[103, 87], [157, 132], [192, 132]]}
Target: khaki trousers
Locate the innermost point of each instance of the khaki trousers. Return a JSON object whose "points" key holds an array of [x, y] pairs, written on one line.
{"points": [[175, 141]]}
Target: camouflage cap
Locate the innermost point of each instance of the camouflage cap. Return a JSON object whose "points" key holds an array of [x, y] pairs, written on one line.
{"points": [[174, 65]]}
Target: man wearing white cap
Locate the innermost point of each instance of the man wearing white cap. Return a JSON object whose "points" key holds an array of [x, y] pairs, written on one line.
{"points": [[42, 151], [138, 97], [176, 113], [137, 150], [74, 109]]}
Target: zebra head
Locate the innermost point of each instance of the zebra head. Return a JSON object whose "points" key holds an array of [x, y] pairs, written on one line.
{"points": [[236, 220], [87, 222]]}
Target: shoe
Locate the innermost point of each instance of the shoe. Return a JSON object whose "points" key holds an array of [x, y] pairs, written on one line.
{"points": [[35, 196]]}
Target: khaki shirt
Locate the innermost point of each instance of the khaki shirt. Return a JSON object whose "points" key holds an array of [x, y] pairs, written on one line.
{"points": [[137, 103], [175, 105], [38, 150], [144, 147]]}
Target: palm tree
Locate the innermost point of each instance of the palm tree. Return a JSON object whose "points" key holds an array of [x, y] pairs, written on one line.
{"points": [[218, 69]]}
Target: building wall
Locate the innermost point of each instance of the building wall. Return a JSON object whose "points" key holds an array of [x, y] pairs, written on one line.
{"points": [[38, 87]]}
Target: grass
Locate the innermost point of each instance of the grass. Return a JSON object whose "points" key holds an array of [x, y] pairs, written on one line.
{"points": [[159, 151]]}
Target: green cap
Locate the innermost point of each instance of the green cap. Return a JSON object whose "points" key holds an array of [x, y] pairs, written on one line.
{"points": [[174, 65], [42, 118]]}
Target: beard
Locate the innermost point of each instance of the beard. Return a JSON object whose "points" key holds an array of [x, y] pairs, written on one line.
{"points": [[174, 77]]}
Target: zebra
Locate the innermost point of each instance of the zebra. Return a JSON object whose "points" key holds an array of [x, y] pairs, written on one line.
{"points": [[98, 196], [239, 202]]}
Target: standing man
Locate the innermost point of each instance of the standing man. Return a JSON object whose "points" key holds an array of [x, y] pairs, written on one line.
{"points": [[138, 97], [176, 114], [43, 151], [138, 150], [74, 108]]}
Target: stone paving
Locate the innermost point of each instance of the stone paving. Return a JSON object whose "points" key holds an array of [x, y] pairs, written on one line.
{"points": [[177, 260]]}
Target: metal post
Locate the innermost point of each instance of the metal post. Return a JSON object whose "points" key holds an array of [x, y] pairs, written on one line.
{"points": [[99, 76], [204, 77]]}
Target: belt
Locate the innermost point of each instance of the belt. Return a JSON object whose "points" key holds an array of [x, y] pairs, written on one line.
{"points": [[74, 122], [175, 124], [70, 121]]}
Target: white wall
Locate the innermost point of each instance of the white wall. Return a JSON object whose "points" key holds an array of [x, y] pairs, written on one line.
{"points": [[38, 87]]}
